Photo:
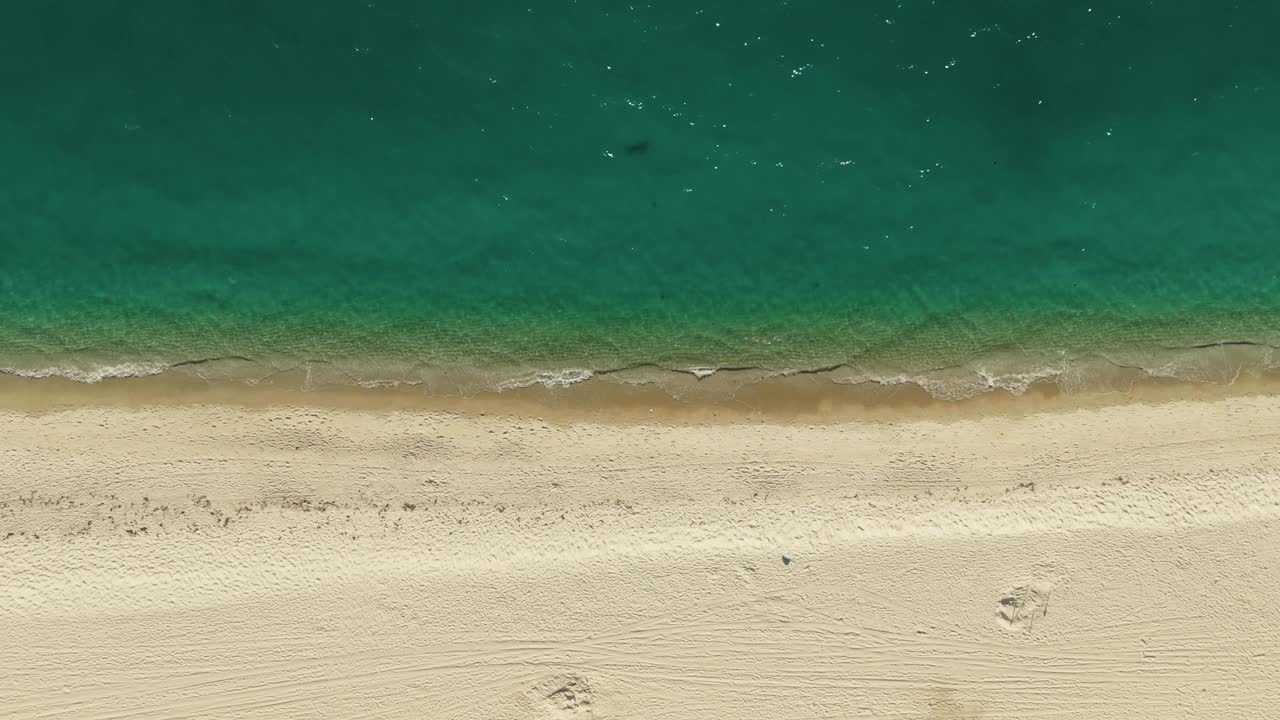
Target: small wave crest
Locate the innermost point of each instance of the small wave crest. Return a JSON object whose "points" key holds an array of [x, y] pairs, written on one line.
{"points": [[1016, 373], [958, 385], [92, 373], [548, 379]]}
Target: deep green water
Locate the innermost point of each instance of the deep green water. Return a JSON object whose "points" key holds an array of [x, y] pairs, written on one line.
{"points": [[915, 183]]}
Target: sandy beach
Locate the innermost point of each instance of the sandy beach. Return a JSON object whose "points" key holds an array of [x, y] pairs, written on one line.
{"points": [[196, 559]]}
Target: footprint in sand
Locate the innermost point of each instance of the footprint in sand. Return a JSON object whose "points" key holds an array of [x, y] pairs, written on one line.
{"points": [[1022, 605], [567, 696]]}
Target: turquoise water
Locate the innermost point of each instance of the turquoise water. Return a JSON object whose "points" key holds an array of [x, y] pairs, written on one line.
{"points": [[595, 185]]}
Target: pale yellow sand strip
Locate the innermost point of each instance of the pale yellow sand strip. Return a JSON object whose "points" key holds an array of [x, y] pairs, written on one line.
{"points": [[1120, 561]]}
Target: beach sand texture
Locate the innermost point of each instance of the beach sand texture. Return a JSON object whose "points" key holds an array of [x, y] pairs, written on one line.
{"points": [[185, 561]]}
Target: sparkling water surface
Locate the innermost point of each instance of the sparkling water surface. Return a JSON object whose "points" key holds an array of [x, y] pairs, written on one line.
{"points": [[595, 185]]}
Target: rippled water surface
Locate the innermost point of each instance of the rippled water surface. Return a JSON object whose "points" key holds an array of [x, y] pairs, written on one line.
{"points": [[568, 186]]}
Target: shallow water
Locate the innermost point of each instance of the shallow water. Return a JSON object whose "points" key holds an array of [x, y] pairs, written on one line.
{"points": [[392, 188]]}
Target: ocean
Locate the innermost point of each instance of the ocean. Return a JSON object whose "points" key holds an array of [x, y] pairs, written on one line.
{"points": [[542, 192]]}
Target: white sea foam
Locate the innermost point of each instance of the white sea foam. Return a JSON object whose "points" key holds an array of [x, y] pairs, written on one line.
{"points": [[551, 379], [91, 374], [1018, 383], [938, 388], [958, 386], [377, 384], [702, 372]]}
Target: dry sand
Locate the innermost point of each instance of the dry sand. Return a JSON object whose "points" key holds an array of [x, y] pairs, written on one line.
{"points": [[230, 561]]}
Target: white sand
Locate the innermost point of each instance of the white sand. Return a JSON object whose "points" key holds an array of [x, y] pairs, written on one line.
{"points": [[219, 562]]}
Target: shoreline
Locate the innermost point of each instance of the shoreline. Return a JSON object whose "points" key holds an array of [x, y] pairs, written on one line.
{"points": [[725, 397], [1002, 383]]}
